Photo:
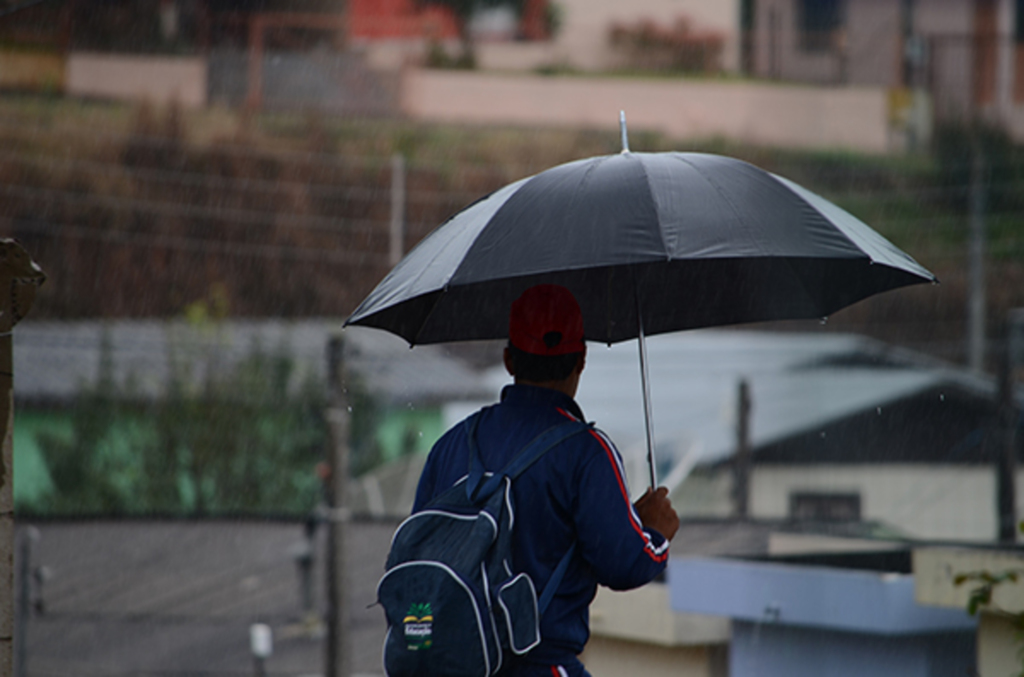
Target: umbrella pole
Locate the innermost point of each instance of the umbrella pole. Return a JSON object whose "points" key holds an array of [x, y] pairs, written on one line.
{"points": [[646, 387], [622, 131]]}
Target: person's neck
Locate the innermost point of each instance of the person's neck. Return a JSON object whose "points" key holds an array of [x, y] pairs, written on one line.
{"points": [[566, 386]]}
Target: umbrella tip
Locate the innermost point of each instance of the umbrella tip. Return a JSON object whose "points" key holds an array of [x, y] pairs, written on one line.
{"points": [[622, 128]]}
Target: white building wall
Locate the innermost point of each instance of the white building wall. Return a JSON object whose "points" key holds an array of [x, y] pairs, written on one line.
{"points": [[935, 571], [704, 495], [938, 502], [998, 646], [636, 632]]}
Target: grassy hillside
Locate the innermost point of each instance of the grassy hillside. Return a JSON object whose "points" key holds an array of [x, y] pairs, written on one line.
{"points": [[138, 212]]}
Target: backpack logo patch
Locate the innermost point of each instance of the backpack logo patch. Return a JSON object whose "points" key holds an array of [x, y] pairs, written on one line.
{"points": [[419, 627]]}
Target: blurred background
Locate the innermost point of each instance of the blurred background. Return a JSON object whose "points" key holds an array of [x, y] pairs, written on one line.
{"points": [[207, 470]]}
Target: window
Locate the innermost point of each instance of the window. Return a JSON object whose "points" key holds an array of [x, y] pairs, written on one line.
{"points": [[1018, 23], [818, 21], [823, 507], [1018, 64]]}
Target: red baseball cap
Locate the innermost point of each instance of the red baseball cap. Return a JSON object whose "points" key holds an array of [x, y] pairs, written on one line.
{"points": [[546, 320]]}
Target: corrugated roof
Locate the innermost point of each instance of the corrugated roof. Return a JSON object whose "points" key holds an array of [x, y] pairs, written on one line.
{"points": [[52, 360], [798, 382], [391, 368]]}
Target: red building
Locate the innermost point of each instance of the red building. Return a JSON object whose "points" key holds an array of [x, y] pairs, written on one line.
{"points": [[384, 19]]}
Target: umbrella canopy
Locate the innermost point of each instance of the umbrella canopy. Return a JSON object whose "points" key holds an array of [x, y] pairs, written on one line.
{"points": [[648, 243]]}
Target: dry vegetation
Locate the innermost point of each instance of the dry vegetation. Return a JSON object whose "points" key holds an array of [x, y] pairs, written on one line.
{"points": [[138, 212]]}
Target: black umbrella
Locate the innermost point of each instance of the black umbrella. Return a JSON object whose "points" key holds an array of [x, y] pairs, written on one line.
{"points": [[648, 243]]}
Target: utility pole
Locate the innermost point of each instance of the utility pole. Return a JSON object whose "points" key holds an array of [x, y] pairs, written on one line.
{"points": [[1012, 359], [976, 261], [338, 650], [1006, 459], [741, 479]]}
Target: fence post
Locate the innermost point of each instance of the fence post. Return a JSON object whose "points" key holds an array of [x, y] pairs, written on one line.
{"points": [[397, 233], [976, 262], [19, 277]]}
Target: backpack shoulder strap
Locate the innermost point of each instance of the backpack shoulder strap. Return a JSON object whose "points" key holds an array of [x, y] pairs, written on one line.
{"points": [[548, 593], [530, 454], [540, 445], [476, 465], [523, 461]]}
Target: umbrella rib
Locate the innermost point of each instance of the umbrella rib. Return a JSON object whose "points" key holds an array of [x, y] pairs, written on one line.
{"points": [[718, 189], [716, 214], [511, 188], [430, 313], [654, 201], [803, 286], [591, 167], [746, 226], [846, 236]]}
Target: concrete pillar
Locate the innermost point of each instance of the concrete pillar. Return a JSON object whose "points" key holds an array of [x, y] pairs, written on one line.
{"points": [[19, 277]]}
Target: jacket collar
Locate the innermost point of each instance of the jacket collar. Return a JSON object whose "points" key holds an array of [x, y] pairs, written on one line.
{"points": [[534, 396]]}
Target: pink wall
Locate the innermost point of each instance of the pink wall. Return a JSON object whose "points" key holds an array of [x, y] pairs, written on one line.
{"points": [[799, 116], [159, 79]]}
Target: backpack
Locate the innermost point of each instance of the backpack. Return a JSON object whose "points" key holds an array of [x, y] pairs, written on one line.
{"points": [[454, 606]]}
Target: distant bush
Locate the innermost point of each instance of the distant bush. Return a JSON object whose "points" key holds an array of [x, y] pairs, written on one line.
{"points": [[648, 45], [554, 18], [438, 57], [241, 440], [954, 146]]}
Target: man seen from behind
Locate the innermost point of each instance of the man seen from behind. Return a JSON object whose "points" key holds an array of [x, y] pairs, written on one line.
{"points": [[576, 493]]}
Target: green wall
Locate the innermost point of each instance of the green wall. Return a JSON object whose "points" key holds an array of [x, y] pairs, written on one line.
{"points": [[403, 431], [32, 480]]}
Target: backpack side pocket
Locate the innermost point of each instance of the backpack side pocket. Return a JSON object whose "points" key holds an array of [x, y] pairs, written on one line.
{"points": [[519, 616]]}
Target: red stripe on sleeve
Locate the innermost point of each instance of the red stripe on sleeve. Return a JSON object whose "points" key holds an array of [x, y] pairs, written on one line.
{"points": [[625, 495], [648, 547]]}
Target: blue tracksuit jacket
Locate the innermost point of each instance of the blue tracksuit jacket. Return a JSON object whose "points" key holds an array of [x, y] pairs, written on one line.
{"points": [[575, 492]]}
